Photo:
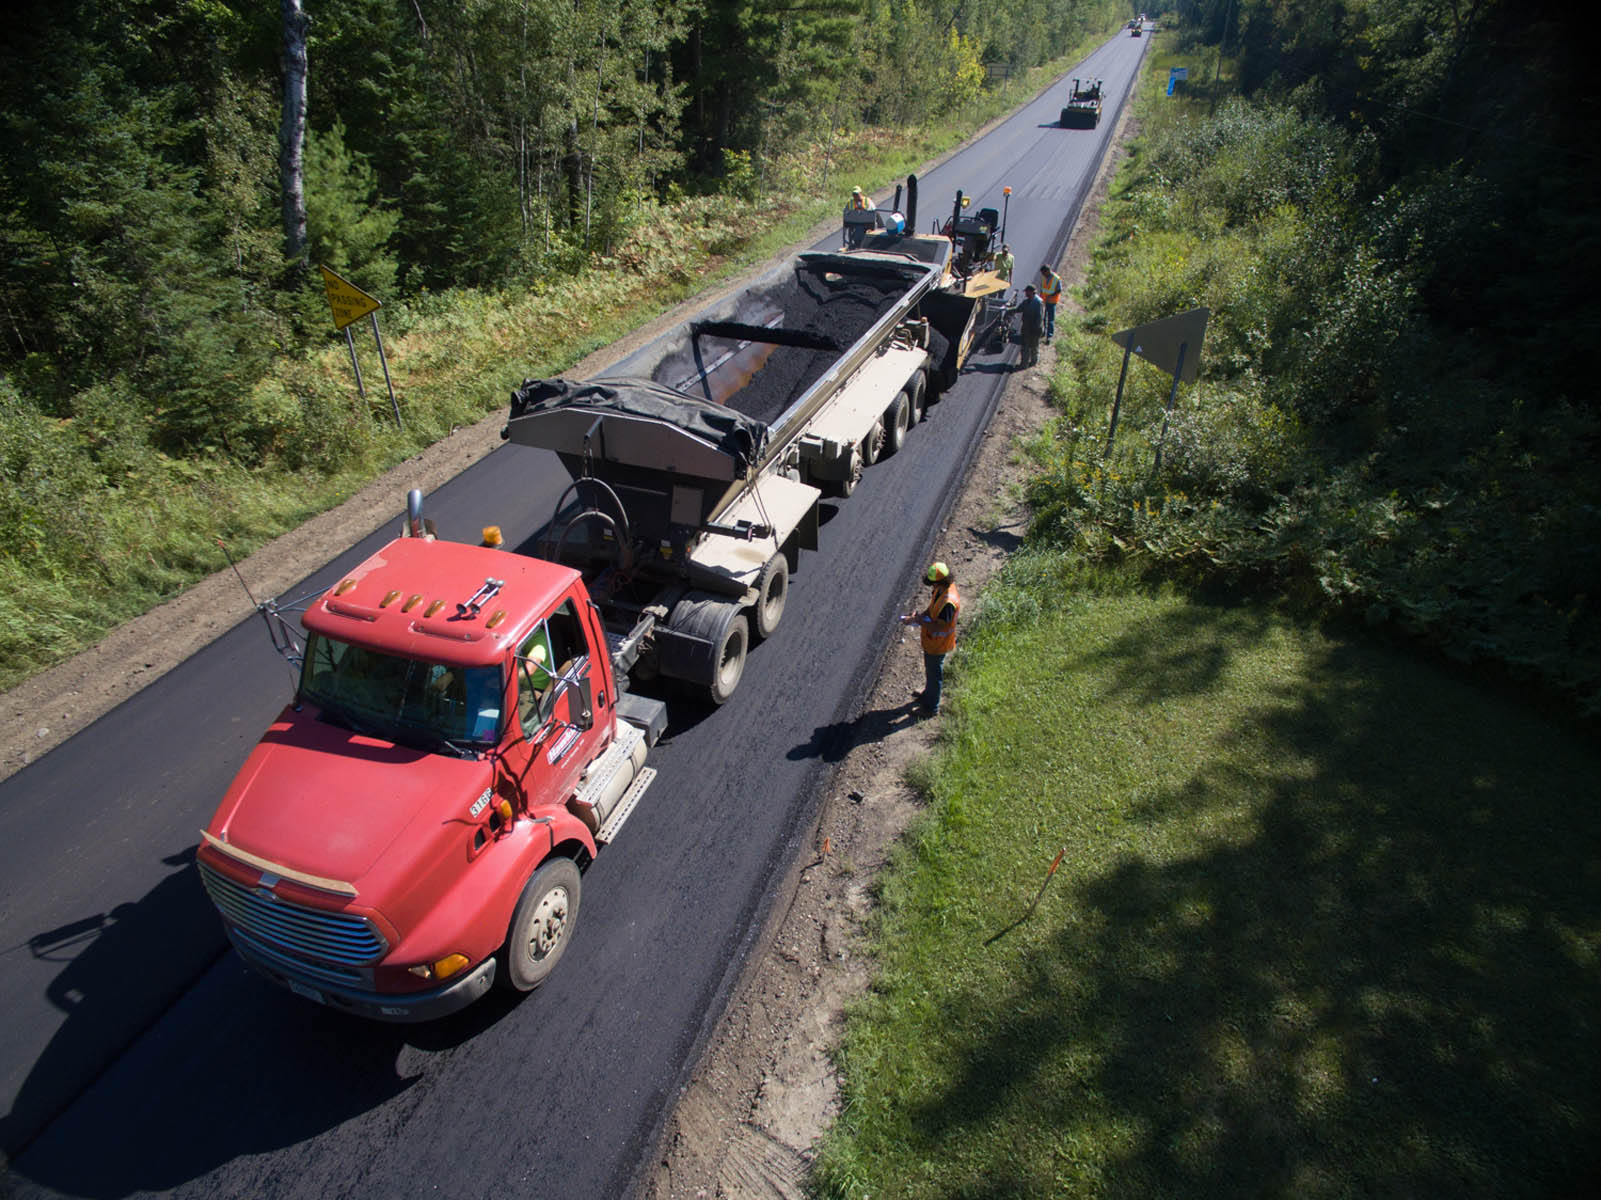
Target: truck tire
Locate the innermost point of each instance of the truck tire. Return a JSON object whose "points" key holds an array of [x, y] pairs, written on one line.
{"points": [[772, 590], [873, 443], [917, 392], [713, 638], [897, 420], [846, 483], [541, 925], [729, 666]]}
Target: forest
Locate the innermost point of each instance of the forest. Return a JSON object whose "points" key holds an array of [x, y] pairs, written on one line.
{"points": [[1387, 209]]}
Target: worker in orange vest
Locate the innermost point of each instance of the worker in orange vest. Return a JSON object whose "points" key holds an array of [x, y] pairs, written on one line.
{"points": [[1050, 292], [938, 629]]}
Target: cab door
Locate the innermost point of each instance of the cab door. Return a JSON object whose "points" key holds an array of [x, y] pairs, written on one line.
{"points": [[555, 705]]}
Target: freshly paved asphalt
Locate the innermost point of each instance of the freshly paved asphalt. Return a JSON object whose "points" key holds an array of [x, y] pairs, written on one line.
{"points": [[137, 1055]]}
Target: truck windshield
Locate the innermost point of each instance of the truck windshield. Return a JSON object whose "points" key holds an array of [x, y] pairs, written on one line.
{"points": [[431, 705]]}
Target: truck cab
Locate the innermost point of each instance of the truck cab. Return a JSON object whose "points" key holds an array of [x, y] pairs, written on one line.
{"points": [[414, 825]]}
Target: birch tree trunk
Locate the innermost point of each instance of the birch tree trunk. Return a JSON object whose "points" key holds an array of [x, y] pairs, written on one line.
{"points": [[292, 131]]}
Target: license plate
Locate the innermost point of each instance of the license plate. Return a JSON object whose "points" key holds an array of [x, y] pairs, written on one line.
{"points": [[310, 993]]}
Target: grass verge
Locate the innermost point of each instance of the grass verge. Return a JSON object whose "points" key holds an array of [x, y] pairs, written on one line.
{"points": [[1327, 922]]}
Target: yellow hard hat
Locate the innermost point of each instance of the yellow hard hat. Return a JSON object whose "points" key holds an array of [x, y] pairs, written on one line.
{"points": [[938, 573], [856, 191]]}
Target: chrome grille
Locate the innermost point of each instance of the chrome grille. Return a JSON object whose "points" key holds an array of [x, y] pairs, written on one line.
{"points": [[294, 967], [290, 928]]}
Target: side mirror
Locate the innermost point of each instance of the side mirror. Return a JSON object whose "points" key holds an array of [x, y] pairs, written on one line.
{"points": [[586, 711], [581, 705]]}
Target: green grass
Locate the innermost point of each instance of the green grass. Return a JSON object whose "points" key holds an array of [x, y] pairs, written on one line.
{"points": [[1327, 923]]}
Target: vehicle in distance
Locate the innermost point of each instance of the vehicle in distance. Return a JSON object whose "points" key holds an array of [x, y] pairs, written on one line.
{"points": [[1083, 108]]}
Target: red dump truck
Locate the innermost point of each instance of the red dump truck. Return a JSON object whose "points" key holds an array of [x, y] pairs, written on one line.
{"points": [[463, 738]]}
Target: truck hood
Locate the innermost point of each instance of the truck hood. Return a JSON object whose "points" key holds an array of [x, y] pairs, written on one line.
{"points": [[323, 800]]}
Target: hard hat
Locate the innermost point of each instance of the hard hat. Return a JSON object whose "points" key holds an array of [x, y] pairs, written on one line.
{"points": [[856, 191], [492, 535], [938, 573]]}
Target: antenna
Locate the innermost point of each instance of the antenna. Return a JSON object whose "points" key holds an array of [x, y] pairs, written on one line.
{"points": [[279, 630]]}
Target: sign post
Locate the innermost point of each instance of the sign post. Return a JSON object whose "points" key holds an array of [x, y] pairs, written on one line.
{"points": [[349, 304], [350, 344], [1174, 344], [384, 359]]}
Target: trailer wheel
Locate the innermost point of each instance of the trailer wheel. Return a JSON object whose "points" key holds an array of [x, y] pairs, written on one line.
{"points": [[541, 926], [729, 666], [846, 484], [897, 420], [873, 443], [917, 390], [772, 590]]}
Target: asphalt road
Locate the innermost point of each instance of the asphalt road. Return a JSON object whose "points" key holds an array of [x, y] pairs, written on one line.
{"points": [[137, 1055]]}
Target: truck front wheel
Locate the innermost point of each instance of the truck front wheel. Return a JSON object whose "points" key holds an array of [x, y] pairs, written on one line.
{"points": [[541, 926]]}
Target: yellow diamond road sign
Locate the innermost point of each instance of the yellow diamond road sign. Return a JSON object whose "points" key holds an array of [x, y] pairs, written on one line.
{"points": [[349, 302]]}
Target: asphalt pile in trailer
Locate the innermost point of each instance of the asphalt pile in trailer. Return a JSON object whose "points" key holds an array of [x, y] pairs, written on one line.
{"points": [[815, 301]]}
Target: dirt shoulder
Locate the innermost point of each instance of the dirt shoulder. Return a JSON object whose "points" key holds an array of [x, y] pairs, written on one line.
{"points": [[765, 1090]]}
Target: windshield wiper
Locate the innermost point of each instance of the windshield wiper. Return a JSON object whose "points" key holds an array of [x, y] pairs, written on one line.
{"points": [[458, 751], [341, 716]]}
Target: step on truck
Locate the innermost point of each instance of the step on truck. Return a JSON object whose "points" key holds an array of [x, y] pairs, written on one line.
{"points": [[463, 739]]}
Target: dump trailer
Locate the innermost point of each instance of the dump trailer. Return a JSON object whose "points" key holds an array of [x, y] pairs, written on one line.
{"points": [[698, 464], [1083, 109]]}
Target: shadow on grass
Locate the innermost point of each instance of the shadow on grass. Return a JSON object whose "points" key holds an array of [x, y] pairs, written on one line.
{"points": [[1368, 966]]}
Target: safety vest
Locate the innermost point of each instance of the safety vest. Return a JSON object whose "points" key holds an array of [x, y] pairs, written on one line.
{"points": [[1051, 289], [861, 204], [1004, 265], [939, 637], [536, 650]]}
